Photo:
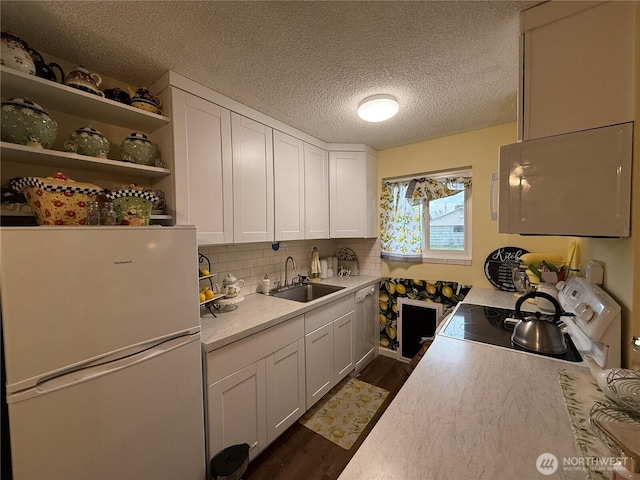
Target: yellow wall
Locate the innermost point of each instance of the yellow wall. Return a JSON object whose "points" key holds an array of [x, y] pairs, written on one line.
{"points": [[478, 149]]}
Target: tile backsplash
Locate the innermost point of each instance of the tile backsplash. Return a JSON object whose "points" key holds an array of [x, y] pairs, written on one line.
{"points": [[251, 261]]}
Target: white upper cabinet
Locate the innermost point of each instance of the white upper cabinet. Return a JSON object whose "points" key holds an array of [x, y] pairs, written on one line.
{"points": [[203, 167], [301, 186], [253, 202], [289, 186], [536, 196], [316, 192], [242, 177], [577, 67], [353, 193]]}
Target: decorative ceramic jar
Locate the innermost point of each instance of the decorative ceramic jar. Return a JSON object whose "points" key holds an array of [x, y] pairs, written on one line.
{"points": [[27, 123], [57, 200], [87, 141], [84, 80], [143, 99], [44, 70], [138, 149], [132, 206], [117, 95], [231, 286], [15, 54]]}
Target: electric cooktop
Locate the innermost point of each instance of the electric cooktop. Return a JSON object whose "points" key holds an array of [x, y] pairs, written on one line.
{"points": [[483, 324]]}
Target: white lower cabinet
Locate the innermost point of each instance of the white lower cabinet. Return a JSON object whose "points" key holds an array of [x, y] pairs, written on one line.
{"points": [[343, 346], [285, 388], [319, 363], [328, 347], [259, 386], [255, 388], [237, 410]]}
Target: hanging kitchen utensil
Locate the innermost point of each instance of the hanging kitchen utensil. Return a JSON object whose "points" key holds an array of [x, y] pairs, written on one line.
{"points": [[538, 332]]}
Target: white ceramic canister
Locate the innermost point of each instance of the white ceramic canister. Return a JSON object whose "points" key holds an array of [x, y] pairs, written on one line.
{"points": [[15, 54], [323, 268], [265, 285]]}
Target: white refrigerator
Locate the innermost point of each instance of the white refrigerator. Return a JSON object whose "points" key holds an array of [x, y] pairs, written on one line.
{"points": [[101, 340]]}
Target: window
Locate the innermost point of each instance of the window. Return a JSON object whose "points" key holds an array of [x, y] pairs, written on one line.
{"points": [[427, 219]]}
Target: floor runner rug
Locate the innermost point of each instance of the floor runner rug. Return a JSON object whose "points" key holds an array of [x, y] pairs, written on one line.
{"points": [[343, 413]]}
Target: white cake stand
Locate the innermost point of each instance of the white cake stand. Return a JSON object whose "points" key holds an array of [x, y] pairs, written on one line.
{"points": [[228, 304]]}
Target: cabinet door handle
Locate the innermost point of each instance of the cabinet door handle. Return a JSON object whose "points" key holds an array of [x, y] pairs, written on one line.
{"points": [[253, 446], [493, 191]]}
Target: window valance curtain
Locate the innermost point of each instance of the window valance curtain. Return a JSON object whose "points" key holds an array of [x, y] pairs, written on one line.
{"points": [[421, 190]]}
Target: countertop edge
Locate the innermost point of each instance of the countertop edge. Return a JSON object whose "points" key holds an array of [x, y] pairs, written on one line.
{"points": [[502, 408], [230, 327]]}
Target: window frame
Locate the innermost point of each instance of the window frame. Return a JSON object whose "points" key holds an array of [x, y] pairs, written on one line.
{"points": [[443, 256]]}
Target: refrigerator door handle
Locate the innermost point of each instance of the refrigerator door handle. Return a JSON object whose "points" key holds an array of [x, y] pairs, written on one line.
{"points": [[104, 366]]}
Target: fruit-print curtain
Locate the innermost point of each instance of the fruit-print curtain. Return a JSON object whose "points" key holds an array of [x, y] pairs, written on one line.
{"points": [[401, 210], [421, 190], [400, 224]]}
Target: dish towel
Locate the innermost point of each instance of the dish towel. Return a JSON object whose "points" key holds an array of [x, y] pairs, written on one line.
{"points": [[580, 393], [315, 264]]}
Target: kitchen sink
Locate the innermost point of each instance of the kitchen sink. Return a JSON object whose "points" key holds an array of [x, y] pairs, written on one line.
{"points": [[306, 293]]}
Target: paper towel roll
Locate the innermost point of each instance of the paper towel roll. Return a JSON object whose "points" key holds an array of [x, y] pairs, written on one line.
{"points": [[323, 268]]}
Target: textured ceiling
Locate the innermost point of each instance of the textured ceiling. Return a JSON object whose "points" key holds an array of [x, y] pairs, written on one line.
{"points": [[452, 65]]}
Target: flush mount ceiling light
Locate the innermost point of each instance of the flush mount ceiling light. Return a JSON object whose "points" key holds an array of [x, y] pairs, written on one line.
{"points": [[378, 108]]}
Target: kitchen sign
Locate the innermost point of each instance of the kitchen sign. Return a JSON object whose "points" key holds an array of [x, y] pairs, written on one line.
{"points": [[497, 267]]}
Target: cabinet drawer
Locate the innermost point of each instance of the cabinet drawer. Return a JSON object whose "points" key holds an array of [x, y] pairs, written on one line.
{"points": [[328, 313], [233, 357]]}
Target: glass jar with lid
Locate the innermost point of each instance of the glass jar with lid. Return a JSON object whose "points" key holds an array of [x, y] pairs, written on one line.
{"points": [[93, 213], [108, 214]]}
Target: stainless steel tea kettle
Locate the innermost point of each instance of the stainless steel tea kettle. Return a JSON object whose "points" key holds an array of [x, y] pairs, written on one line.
{"points": [[538, 332]]}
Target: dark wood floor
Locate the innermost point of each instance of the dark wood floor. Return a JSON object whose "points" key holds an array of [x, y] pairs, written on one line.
{"points": [[301, 453]]}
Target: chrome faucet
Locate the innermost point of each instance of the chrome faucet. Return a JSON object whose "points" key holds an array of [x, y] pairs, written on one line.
{"points": [[286, 263]]}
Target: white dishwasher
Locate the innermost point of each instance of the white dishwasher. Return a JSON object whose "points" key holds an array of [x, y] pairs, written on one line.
{"points": [[366, 338]]}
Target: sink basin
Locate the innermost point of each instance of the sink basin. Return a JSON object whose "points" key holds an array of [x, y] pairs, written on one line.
{"points": [[306, 293]]}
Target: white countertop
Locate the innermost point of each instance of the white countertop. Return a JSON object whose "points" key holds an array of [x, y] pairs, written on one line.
{"points": [[470, 410], [258, 312]]}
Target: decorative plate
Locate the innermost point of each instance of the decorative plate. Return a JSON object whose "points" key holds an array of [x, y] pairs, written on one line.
{"points": [[346, 253]]}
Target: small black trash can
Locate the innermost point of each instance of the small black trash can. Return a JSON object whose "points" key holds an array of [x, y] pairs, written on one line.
{"points": [[230, 463]]}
